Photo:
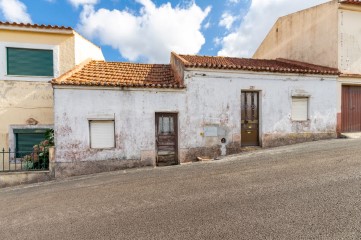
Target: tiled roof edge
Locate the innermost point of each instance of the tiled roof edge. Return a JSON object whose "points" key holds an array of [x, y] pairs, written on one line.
{"points": [[185, 62], [353, 2], [32, 25], [332, 71], [77, 68]]}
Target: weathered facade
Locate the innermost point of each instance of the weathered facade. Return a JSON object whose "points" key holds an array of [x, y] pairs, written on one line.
{"points": [[328, 34], [26, 96], [110, 116]]}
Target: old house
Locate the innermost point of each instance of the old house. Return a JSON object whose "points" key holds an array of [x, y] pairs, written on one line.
{"points": [[328, 34], [31, 56], [112, 115]]}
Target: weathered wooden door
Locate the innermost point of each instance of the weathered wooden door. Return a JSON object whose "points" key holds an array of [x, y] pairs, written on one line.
{"points": [[351, 109], [249, 118], [166, 138]]}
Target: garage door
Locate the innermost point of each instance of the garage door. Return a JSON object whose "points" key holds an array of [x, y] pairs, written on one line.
{"points": [[351, 109]]}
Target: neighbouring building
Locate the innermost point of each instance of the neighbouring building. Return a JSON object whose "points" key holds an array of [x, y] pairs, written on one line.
{"points": [[112, 115], [31, 56], [328, 34]]}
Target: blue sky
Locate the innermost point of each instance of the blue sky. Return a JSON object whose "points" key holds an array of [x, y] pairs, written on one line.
{"points": [[147, 30]]}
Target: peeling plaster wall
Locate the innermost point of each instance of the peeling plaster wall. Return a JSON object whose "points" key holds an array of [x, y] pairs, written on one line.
{"points": [[134, 114], [20, 101], [212, 98], [25, 97], [218, 102]]}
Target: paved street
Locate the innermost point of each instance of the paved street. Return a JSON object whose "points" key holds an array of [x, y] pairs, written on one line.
{"points": [[305, 191]]}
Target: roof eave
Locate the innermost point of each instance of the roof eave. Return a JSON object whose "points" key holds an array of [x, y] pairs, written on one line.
{"points": [[37, 29]]}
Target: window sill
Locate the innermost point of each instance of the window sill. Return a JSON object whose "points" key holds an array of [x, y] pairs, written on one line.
{"points": [[112, 148], [296, 121], [26, 78]]}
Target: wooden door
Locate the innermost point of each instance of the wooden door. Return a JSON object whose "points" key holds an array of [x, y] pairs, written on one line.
{"points": [[166, 138], [351, 109], [249, 118]]}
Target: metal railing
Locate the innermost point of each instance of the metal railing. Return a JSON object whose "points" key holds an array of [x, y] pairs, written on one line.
{"points": [[16, 161]]}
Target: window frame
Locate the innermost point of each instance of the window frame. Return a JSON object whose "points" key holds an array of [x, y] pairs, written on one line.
{"points": [[307, 110], [4, 65], [16, 127], [90, 135], [29, 49]]}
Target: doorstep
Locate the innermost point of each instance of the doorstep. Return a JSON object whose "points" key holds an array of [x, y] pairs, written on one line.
{"points": [[352, 135]]}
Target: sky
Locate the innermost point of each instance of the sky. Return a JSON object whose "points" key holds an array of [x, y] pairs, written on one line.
{"points": [[147, 31]]}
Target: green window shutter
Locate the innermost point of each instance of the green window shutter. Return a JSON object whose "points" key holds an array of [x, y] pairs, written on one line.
{"points": [[29, 62], [25, 141]]}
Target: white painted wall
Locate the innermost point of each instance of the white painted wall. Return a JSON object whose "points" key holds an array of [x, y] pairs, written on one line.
{"points": [[349, 41], [134, 114], [211, 98], [221, 100], [85, 49]]}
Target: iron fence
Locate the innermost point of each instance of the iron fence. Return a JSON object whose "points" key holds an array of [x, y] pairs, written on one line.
{"points": [[16, 161]]}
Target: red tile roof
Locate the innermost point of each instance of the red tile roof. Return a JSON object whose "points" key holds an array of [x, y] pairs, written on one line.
{"points": [[36, 26], [257, 65], [356, 2], [120, 74]]}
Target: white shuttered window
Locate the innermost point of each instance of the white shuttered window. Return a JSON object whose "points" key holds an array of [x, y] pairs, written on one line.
{"points": [[299, 108], [102, 134]]}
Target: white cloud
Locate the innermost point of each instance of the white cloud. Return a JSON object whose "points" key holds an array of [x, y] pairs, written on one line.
{"points": [[256, 24], [227, 20], [149, 35], [207, 25], [77, 3], [14, 11], [233, 1]]}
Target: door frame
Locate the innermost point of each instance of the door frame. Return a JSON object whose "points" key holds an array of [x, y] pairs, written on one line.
{"points": [[176, 129], [260, 115], [342, 102]]}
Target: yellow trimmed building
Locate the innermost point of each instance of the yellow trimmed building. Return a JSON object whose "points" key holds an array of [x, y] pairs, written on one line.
{"points": [[31, 56]]}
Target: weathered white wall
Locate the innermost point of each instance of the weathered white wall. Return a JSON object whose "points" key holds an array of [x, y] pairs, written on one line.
{"points": [[134, 113], [85, 49], [350, 41], [218, 101], [211, 98]]}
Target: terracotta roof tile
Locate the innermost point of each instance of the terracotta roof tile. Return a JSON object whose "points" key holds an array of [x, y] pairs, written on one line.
{"points": [[257, 65], [355, 2], [120, 74], [37, 26]]}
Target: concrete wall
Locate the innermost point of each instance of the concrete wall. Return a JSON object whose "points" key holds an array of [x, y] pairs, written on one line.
{"points": [[85, 49], [212, 98], [349, 39], [20, 101], [9, 179], [309, 36]]}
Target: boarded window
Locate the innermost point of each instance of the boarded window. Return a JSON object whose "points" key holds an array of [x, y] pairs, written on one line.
{"points": [[26, 139], [102, 134], [299, 108], [29, 62]]}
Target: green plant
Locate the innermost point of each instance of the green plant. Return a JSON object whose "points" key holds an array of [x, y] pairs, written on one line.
{"points": [[27, 165], [39, 158]]}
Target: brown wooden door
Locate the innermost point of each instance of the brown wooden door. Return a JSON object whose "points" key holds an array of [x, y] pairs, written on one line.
{"points": [[250, 118], [166, 127], [351, 109]]}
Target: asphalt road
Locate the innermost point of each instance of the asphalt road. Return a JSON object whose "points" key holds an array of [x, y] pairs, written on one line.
{"points": [[305, 191]]}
